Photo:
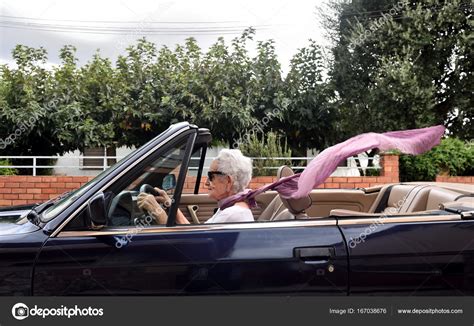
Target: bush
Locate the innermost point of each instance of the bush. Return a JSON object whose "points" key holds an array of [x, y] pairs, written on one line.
{"points": [[372, 172], [269, 145], [452, 157], [7, 171]]}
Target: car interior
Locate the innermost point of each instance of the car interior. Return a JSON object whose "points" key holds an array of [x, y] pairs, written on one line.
{"points": [[164, 171], [391, 199]]}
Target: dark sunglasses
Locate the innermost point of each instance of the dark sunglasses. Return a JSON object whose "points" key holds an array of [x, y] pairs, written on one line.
{"points": [[211, 174]]}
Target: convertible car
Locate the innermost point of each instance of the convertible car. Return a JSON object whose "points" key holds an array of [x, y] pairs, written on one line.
{"points": [[397, 239]]}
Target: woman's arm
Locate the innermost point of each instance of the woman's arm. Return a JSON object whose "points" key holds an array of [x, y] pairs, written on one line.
{"points": [[180, 218]]}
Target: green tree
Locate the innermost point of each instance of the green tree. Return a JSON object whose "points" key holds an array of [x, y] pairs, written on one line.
{"points": [[310, 115], [403, 67], [352, 69], [227, 79], [25, 114], [268, 96], [141, 81], [102, 104]]}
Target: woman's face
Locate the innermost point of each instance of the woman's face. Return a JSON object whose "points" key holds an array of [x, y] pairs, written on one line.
{"points": [[220, 186]]}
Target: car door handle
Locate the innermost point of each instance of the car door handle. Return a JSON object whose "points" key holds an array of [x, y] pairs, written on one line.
{"points": [[314, 254]]}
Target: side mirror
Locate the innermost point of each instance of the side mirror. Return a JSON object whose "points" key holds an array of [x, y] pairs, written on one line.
{"points": [[169, 182], [97, 212]]}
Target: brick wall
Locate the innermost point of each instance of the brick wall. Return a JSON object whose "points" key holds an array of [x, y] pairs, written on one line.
{"points": [[468, 180], [20, 190]]}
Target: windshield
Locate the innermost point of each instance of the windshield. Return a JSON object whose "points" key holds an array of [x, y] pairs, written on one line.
{"points": [[160, 167], [55, 209], [58, 207]]}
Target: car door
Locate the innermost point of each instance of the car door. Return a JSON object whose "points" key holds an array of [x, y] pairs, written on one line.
{"points": [[118, 198], [425, 254], [284, 257]]}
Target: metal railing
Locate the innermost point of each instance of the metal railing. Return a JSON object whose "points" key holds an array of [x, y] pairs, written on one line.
{"points": [[35, 166]]}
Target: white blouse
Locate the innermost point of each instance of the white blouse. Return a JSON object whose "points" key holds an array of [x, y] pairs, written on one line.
{"points": [[232, 214]]}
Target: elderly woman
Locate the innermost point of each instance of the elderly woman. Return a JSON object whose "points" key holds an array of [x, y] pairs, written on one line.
{"points": [[228, 174]]}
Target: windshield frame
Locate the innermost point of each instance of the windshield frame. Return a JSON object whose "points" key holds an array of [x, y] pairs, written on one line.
{"points": [[65, 202], [54, 210], [105, 179]]}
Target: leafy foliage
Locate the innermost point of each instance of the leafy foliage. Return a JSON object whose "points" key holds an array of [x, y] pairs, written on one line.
{"points": [[310, 115], [269, 145], [7, 171], [402, 66], [407, 68], [452, 157], [102, 104]]}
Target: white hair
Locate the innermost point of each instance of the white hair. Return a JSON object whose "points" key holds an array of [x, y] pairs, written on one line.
{"points": [[233, 163]]}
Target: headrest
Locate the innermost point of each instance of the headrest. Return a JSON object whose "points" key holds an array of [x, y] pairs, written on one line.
{"points": [[294, 206], [284, 171]]}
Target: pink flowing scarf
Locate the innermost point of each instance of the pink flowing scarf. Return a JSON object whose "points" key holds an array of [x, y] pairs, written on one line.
{"points": [[415, 141]]}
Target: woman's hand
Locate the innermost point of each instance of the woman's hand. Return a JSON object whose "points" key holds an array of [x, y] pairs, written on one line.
{"points": [[163, 198], [149, 203]]}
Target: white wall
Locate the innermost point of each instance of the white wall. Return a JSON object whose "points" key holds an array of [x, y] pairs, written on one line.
{"points": [[71, 163]]}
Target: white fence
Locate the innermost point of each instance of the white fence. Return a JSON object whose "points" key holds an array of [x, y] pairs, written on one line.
{"points": [[31, 162]]}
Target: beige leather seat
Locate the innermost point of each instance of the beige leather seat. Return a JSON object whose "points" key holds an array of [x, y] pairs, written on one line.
{"points": [[430, 198], [285, 209], [406, 199], [274, 208], [395, 198], [392, 199]]}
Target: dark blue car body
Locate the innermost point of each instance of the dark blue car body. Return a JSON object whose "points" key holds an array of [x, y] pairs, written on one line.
{"points": [[408, 255]]}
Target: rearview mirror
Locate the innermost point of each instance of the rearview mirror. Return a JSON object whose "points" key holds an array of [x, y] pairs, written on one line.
{"points": [[169, 182], [97, 212]]}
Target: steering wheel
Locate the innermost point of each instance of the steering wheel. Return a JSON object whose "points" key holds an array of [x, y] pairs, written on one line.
{"points": [[146, 188]]}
